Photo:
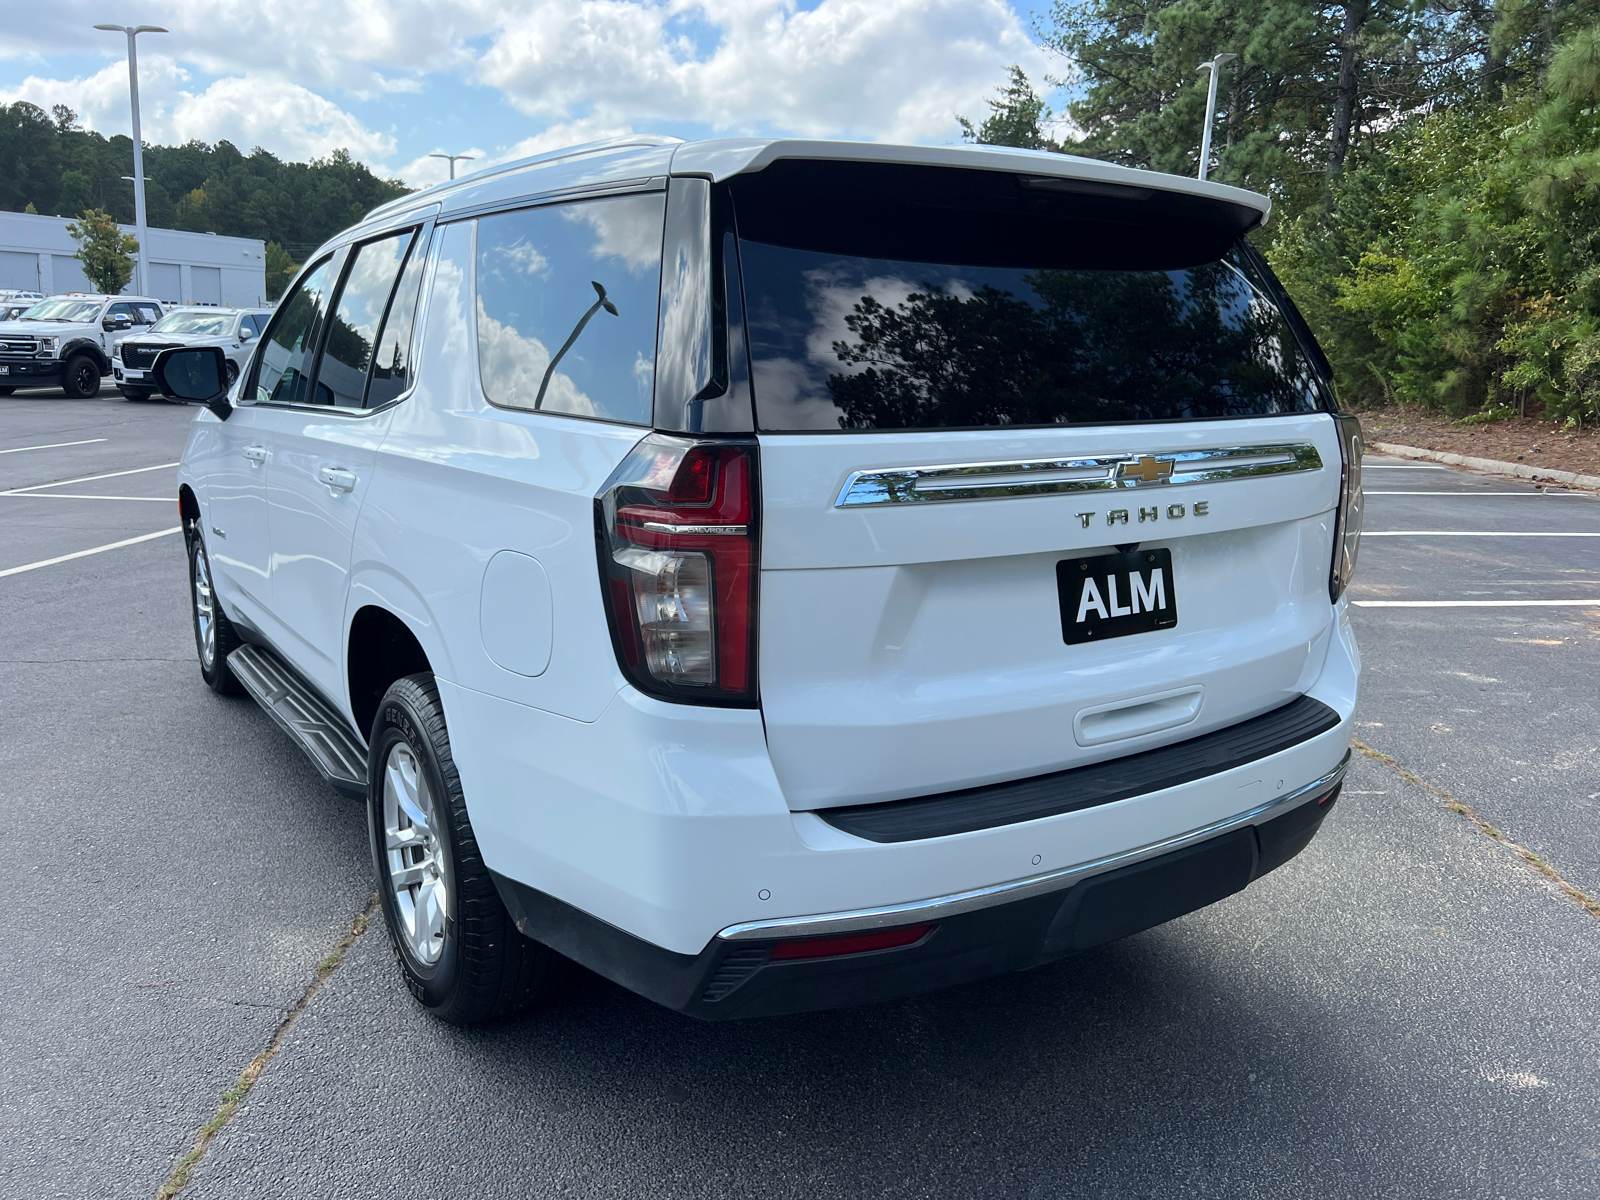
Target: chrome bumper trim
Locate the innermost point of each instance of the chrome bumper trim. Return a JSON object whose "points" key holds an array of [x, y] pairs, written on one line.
{"points": [[1044, 477], [941, 907]]}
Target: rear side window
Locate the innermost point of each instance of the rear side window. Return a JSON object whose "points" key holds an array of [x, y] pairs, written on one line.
{"points": [[363, 300], [567, 298], [283, 367], [392, 366], [958, 301]]}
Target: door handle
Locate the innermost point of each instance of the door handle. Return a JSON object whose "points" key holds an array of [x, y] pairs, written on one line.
{"points": [[337, 478], [256, 454]]}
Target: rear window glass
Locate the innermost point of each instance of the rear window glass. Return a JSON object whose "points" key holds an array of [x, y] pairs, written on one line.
{"points": [[851, 342], [567, 298]]}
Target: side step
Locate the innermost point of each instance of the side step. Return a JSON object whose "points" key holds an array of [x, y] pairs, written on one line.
{"points": [[304, 716]]}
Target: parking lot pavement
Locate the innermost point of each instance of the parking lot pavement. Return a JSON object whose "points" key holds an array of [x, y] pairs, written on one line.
{"points": [[1496, 701], [1402, 1011]]}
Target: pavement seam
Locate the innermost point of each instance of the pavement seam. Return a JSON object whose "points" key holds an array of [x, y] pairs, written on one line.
{"points": [[1581, 898], [1492, 465], [234, 1096]]}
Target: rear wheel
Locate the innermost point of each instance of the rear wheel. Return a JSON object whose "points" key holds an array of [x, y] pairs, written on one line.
{"points": [[458, 950], [214, 635], [80, 377], [233, 372]]}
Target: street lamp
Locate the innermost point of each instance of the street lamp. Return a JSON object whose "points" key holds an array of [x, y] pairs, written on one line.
{"points": [[454, 158], [1215, 67], [134, 31]]}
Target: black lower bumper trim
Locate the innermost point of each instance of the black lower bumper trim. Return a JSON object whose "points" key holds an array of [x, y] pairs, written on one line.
{"points": [[1085, 787], [739, 979]]}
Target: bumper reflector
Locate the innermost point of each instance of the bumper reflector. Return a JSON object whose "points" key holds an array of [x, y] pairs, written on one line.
{"points": [[849, 943]]}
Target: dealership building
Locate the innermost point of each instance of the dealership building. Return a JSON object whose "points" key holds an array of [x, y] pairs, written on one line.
{"points": [[36, 254]]}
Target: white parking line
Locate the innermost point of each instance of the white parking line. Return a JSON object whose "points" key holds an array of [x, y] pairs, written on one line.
{"points": [[50, 562], [1595, 603], [1398, 467], [1420, 493], [1462, 533], [86, 479], [53, 446], [77, 496]]}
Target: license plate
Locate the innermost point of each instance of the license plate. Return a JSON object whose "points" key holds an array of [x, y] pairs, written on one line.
{"points": [[5, 369], [1113, 595]]}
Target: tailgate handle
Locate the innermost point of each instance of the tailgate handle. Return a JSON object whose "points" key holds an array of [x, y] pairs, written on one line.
{"points": [[1140, 715]]}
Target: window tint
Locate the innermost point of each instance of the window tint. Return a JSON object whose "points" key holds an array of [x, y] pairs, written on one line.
{"points": [[121, 310], [146, 314], [255, 322], [839, 341], [285, 360], [567, 299], [368, 284], [392, 367]]}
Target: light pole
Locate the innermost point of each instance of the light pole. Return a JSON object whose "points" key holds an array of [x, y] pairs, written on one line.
{"points": [[454, 158], [1215, 67], [134, 31]]}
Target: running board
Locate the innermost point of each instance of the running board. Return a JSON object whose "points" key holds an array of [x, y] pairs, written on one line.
{"points": [[304, 716]]}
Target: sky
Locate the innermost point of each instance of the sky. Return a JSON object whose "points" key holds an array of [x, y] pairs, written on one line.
{"points": [[395, 80]]}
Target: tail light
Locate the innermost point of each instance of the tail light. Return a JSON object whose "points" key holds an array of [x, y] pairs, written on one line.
{"points": [[1347, 533], [678, 529]]}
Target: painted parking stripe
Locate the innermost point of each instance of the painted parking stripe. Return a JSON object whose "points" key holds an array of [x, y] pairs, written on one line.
{"points": [[82, 496], [1372, 533], [53, 446], [1420, 493], [1398, 467], [86, 479], [50, 562], [1595, 603]]}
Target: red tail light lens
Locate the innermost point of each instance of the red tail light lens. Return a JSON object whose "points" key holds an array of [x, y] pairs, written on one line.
{"points": [[849, 943], [1347, 534], [678, 528]]}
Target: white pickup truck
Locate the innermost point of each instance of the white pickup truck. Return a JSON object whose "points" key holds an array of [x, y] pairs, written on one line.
{"points": [[69, 341]]}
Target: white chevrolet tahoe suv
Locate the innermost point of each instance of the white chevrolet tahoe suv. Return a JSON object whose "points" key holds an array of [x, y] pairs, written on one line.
{"points": [[233, 329], [69, 341], [782, 574]]}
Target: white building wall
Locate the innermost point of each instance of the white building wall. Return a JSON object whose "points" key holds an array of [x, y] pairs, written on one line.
{"points": [[233, 270]]}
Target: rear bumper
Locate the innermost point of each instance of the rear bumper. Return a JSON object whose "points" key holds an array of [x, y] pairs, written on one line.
{"points": [[737, 976]]}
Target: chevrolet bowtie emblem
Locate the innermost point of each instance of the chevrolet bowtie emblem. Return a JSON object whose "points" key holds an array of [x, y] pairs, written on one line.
{"points": [[1146, 469]]}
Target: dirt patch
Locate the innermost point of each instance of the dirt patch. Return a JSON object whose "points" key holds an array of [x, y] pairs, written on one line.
{"points": [[1528, 440]]}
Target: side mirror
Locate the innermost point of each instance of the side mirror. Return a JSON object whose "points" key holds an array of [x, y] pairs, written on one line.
{"points": [[195, 374], [246, 333], [120, 321]]}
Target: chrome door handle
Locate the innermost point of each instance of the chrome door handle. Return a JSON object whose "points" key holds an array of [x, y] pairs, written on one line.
{"points": [[338, 478], [256, 454]]}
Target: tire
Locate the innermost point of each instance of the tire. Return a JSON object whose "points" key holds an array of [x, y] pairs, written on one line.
{"points": [[232, 373], [214, 635], [80, 377], [457, 948], [135, 393]]}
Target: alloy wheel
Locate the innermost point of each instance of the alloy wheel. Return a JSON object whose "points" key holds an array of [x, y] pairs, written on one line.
{"points": [[205, 609], [86, 377], [414, 856]]}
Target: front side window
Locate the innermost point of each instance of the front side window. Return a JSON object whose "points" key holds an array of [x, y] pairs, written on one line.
{"points": [[284, 365], [566, 306], [363, 300], [121, 310]]}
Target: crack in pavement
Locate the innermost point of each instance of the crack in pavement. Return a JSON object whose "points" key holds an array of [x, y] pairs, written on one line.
{"points": [[234, 1096], [1577, 895]]}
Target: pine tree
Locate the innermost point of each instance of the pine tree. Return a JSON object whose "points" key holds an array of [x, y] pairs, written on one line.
{"points": [[1017, 117]]}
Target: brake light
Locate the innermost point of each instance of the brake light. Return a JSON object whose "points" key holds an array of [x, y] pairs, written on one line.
{"points": [[678, 532], [1347, 533]]}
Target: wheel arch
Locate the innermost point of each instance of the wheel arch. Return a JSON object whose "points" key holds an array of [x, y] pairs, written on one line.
{"points": [[89, 347], [380, 649]]}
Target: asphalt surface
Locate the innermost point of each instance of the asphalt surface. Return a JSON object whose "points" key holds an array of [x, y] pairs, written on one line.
{"points": [[1404, 1010]]}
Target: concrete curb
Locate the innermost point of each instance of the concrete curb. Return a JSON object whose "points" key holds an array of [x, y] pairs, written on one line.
{"points": [[1521, 470]]}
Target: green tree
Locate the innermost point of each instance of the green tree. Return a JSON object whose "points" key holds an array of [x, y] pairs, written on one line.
{"points": [[104, 250], [281, 268], [1017, 117]]}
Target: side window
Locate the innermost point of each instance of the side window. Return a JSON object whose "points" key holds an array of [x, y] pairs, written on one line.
{"points": [[146, 314], [122, 310], [392, 365], [567, 300], [284, 364], [363, 300]]}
